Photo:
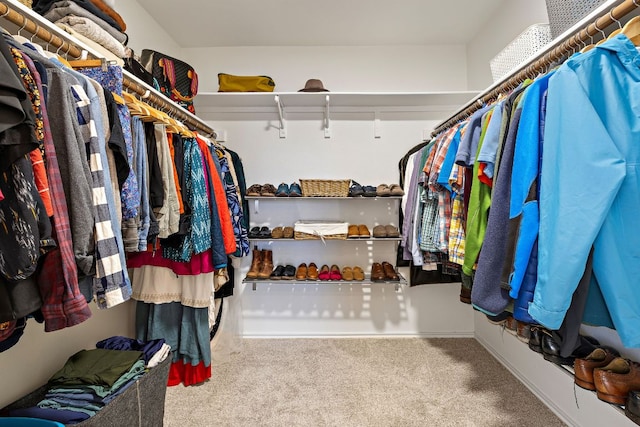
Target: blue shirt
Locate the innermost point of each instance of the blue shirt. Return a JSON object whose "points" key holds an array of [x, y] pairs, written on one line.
{"points": [[590, 186]]}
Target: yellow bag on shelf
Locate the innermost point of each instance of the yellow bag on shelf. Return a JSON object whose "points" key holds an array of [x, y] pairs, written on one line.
{"points": [[231, 83]]}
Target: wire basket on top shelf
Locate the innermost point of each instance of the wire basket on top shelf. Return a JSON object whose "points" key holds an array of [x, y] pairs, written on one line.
{"points": [[564, 13], [325, 230], [325, 187], [530, 41]]}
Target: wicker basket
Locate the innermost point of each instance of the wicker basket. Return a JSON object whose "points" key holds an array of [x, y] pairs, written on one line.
{"points": [[326, 230], [529, 42], [28, 3], [564, 13], [325, 187]]}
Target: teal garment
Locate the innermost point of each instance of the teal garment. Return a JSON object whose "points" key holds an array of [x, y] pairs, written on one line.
{"points": [[95, 367], [590, 186], [137, 369]]}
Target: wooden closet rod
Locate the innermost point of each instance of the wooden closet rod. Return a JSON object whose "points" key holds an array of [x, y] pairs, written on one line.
{"points": [[555, 52], [130, 82]]}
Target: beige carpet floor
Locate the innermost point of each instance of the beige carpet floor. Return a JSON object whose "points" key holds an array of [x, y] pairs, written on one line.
{"points": [[358, 382]]}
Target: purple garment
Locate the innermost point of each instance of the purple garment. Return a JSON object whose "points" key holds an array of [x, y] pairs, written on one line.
{"points": [[148, 348], [112, 81]]}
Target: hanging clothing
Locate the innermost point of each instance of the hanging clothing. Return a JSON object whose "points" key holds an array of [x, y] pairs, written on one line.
{"points": [[597, 90]]}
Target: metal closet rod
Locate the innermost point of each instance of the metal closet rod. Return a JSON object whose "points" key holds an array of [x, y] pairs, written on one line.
{"points": [[148, 94], [550, 56]]}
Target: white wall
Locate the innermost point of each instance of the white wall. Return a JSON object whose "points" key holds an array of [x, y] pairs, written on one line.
{"points": [[511, 19], [144, 32], [322, 309], [341, 68]]}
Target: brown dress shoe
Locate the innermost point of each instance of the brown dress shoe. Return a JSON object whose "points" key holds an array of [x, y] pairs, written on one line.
{"points": [[287, 233], [377, 273], [347, 274], [614, 381], [277, 233], [301, 272], [358, 273], [312, 271], [390, 272], [583, 368]]}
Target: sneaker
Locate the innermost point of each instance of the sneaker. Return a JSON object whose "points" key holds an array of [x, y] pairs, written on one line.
{"points": [[283, 190], [295, 190]]}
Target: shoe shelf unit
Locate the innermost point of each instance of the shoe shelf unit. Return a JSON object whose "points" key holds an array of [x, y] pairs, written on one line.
{"points": [[257, 199], [271, 211], [280, 104], [367, 280]]}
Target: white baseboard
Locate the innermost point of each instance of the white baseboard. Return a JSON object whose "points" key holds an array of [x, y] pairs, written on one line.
{"points": [[351, 335]]}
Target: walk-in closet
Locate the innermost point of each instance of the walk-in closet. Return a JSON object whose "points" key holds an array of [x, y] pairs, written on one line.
{"points": [[359, 213]]}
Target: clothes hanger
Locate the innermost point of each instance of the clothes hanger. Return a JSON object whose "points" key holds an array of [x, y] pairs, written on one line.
{"points": [[90, 63], [632, 29]]}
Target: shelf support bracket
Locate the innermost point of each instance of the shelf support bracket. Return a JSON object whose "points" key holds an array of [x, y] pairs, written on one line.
{"points": [[282, 117], [254, 286], [376, 125], [327, 121], [256, 206]]}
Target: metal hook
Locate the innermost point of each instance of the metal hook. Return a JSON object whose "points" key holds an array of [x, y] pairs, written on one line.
{"points": [[636, 3], [23, 26], [613, 18], [35, 33], [595, 24]]}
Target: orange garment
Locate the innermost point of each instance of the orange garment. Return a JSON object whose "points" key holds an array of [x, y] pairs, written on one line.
{"points": [[110, 12], [228, 236], [41, 180], [172, 151]]}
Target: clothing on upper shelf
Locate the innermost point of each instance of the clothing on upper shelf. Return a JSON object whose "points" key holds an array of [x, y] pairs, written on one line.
{"points": [[531, 220]]}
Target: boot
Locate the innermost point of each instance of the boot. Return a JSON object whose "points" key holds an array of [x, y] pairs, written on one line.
{"points": [[256, 264], [267, 265]]}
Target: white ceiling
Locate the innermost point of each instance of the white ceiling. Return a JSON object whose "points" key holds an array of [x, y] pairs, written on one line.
{"points": [[202, 23]]}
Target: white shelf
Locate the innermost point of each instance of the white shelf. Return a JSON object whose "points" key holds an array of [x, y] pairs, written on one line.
{"points": [[261, 102]]}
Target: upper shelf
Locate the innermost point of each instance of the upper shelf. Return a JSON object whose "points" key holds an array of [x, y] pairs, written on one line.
{"points": [[215, 102]]}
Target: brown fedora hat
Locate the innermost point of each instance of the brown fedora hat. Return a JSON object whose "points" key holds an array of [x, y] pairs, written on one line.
{"points": [[313, 85]]}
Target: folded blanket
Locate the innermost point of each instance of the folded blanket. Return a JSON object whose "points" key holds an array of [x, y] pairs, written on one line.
{"points": [[107, 54], [92, 31], [108, 10], [43, 6], [67, 7]]}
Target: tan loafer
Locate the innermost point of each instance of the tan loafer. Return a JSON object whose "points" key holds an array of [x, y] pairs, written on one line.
{"points": [[358, 273], [347, 274]]}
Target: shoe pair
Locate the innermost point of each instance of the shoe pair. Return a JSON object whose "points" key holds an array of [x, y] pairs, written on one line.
{"points": [[282, 233], [283, 272], [257, 190], [305, 272], [292, 190], [382, 231], [350, 274], [357, 190], [327, 273], [259, 233], [384, 190], [358, 232], [616, 380], [384, 272]]}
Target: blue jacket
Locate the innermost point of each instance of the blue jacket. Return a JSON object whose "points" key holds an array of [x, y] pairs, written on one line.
{"points": [[590, 186]]}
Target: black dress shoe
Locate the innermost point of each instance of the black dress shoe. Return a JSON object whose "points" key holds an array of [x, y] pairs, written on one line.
{"points": [[551, 349], [632, 408], [289, 272], [277, 273], [535, 338]]}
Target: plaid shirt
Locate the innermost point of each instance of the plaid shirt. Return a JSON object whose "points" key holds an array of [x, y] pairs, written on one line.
{"points": [[63, 304], [111, 283], [456, 231]]}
